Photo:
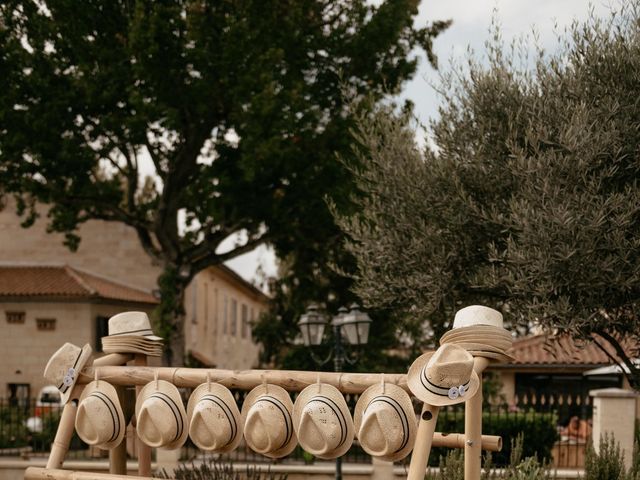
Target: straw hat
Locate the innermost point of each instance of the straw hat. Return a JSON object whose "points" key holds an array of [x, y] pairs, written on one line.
{"points": [[322, 421], [161, 419], [100, 420], [215, 419], [268, 425], [64, 366], [443, 377], [130, 332], [385, 422]]}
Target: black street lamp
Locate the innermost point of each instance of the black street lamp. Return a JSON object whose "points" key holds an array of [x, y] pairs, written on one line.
{"points": [[349, 327]]}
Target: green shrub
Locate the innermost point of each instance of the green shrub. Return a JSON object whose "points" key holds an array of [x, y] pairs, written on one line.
{"points": [[607, 463], [540, 429], [212, 469]]}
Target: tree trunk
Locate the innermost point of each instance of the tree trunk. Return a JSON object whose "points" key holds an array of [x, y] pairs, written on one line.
{"points": [[171, 315]]}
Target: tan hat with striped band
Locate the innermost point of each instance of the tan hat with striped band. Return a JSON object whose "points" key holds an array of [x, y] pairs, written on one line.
{"points": [[385, 422], [215, 423], [267, 419], [64, 366], [322, 421], [161, 418], [100, 421]]}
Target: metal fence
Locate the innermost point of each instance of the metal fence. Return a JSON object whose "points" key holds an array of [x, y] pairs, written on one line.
{"points": [[556, 428]]}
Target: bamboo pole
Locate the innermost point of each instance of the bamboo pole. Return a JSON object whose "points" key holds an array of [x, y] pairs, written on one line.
{"points": [[66, 427], [143, 450], [113, 359], [490, 443], [473, 426], [36, 473], [291, 380], [422, 446], [118, 455]]}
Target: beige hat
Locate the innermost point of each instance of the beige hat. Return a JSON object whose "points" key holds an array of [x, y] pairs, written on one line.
{"points": [[132, 323], [268, 425], [63, 368], [443, 377], [322, 421], [215, 419], [100, 420], [474, 315], [385, 422], [161, 419], [502, 357]]}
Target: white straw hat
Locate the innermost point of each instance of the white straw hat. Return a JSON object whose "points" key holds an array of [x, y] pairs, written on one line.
{"points": [[132, 323], [100, 421], [474, 315], [443, 377], [385, 422], [215, 423], [322, 421], [63, 368], [160, 415], [268, 425]]}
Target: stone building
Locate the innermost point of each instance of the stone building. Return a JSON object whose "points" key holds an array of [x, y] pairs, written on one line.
{"points": [[220, 304]]}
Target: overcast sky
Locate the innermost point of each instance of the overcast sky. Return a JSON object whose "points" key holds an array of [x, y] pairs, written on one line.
{"points": [[471, 22]]}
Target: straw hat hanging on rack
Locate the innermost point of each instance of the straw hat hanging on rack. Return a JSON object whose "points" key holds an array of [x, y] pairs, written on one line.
{"points": [[480, 331], [215, 423], [385, 422], [161, 418], [130, 332], [63, 368], [322, 421], [100, 421], [267, 421], [443, 377]]}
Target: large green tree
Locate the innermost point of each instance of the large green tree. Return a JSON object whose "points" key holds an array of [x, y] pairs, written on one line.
{"points": [[236, 105], [528, 200]]}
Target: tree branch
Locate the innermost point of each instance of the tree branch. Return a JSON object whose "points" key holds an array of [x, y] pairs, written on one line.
{"points": [[634, 373], [215, 259]]}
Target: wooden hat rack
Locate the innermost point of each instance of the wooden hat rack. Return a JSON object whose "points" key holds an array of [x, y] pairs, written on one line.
{"points": [[131, 370]]}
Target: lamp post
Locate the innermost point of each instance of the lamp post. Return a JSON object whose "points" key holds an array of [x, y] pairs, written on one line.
{"points": [[349, 327]]}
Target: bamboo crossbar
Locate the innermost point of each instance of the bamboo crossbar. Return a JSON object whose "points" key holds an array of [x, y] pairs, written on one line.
{"points": [[490, 443], [36, 473], [291, 380]]}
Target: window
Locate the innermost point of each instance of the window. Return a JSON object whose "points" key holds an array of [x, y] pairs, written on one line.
{"points": [[15, 317], [19, 394], [102, 330], [234, 317], [224, 315], [47, 324], [245, 320]]}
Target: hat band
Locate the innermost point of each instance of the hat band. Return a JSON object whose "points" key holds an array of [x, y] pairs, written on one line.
{"points": [[285, 413], [174, 409], [401, 414], [451, 392], [112, 411], [227, 411], [337, 412], [71, 374], [147, 330]]}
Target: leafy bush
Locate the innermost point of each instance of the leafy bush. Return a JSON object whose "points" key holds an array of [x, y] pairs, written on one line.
{"points": [[607, 463], [213, 469], [540, 430]]}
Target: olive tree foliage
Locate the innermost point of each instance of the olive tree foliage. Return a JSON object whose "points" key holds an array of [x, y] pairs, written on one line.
{"points": [[236, 107], [527, 200]]}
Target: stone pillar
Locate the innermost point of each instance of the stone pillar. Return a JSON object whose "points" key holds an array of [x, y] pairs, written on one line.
{"points": [[614, 413]]}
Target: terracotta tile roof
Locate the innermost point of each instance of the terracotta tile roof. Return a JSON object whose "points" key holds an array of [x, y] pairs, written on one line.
{"points": [[554, 350], [65, 282]]}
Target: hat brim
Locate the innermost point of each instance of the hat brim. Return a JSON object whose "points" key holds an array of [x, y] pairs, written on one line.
{"points": [[85, 354], [110, 391], [400, 396], [280, 394], [503, 357], [172, 392], [333, 394], [478, 330], [468, 346], [416, 387], [225, 394]]}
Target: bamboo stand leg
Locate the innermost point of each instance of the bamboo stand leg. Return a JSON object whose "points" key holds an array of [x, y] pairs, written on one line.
{"points": [[473, 427], [118, 455], [422, 447], [143, 450], [65, 432]]}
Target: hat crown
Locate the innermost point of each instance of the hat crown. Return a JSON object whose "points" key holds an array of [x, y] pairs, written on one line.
{"points": [[267, 428], [134, 323], [60, 363], [211, 425], [94, 423], [383, 431], [477, 315], [320, 427], [450, 366]]}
